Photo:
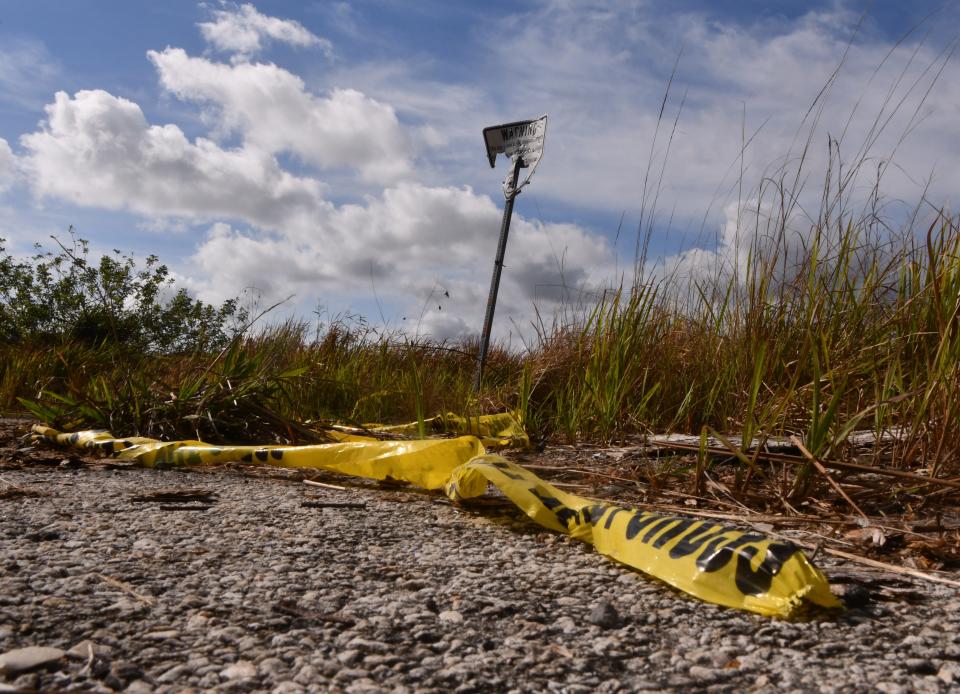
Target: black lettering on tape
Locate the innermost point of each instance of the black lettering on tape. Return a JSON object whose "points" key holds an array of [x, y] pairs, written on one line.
{"points": [[564, 515], [715, 558], [504, 468], [673, 532], [750, 582], [610, 518], [594, 513], [657, 527], [547, 501], [638, 521], [696, 539]]}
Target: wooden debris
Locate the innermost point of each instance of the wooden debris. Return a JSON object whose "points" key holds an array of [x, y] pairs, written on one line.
{"points": [[313, 483], [892, 568], [823, 471], [178, 495], [332, 504], [128, 589]]}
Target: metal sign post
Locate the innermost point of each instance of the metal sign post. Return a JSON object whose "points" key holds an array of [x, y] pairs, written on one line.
{"points": [[523, 143]]}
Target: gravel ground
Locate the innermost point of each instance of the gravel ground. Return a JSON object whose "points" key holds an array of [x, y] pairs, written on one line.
{"points": [[397, 591]]}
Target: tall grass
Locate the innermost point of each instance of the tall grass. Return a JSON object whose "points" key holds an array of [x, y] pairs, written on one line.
{"points": [[812, 324], [855, 331]]}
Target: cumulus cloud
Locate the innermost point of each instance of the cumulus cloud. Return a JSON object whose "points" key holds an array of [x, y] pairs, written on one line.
{"points": [[600, 69], [425, 250], [7, 165], [243, 31], [98, 150], [427, 253], [272, 110]]}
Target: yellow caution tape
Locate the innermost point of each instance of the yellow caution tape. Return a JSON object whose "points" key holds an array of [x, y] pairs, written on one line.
{"points": [[711, 561], [500, 430]]}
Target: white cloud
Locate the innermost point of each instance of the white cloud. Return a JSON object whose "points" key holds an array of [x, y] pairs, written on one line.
{"points": [[7, 165], [243, 31], [426, 252], [26, 68], [600, 69], [272, 110], [97, 150], [415, 244]]}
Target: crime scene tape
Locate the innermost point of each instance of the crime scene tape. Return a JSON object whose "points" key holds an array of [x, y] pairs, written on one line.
{"points": [[502, 430], [714, 562]]}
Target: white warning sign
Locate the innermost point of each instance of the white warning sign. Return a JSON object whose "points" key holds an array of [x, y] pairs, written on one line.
{"points": [[522, 141]]}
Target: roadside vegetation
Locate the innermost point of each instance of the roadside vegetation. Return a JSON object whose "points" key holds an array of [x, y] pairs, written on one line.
{"points": [[857, 329], [821, 316]]}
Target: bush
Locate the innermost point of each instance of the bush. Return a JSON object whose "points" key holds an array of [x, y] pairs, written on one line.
{"points": [[63, 296]]}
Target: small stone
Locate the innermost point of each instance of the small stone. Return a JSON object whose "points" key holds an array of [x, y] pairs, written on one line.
{"points": [[173, 674], [349, 657], [240, 670], [125, 671], [698, 672], [271, 665], [197, 622], [852, 594], [138, 687], [287, 688], [23, 659], [450, 616], [82, 650], [604, 615], [949, 673], [162, 635], [920, 666]]}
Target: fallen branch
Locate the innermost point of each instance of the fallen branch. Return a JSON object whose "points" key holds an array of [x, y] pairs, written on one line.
{"points": [[333, 504], [893, 568], [823, 471], [794, 460]]}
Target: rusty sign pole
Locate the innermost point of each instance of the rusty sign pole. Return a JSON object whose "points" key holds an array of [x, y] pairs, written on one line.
{"points": [[497, 269], [522, 141]]}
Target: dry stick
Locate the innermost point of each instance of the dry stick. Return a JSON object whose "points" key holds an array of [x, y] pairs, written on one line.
{"points": [[823, 471], [126, 589], [90, 656], [10, 484], [325, 485], [852, 467], [891, 567], [333, 504]]}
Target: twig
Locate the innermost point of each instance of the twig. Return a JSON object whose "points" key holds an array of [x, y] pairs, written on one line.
{"points": [[325, 485], [126, 588], [333, 504], [10, 484], [86, 668], [893, 568], [823, 471], [851, 467]]}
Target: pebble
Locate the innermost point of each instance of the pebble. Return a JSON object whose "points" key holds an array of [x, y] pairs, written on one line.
{"points": [[240, 670], [258, 594], [451, 617], [23, 659], [604, 615]]}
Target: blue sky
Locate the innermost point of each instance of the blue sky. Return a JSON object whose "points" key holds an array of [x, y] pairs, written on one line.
{"points": [[332, 151]]}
